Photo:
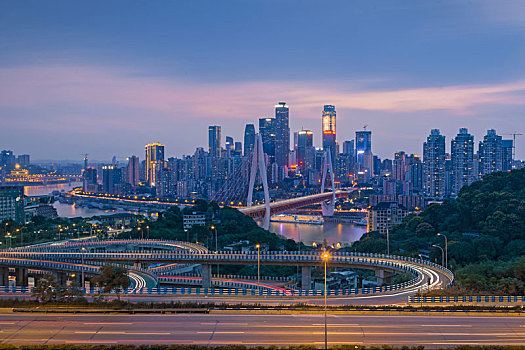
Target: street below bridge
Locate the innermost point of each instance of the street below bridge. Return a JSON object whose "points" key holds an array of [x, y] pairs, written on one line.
{"points": [[250, 328]]}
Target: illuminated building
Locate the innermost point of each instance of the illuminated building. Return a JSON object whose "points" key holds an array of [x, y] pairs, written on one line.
{"points": [[385, 215], [132, 171], [89, 180], [267, 131], [462, 156], [12, 203], [490, 153], [111, 178], [282, 134], [507, 161], [364, 156], [329, 131], [214, 141], [249, 138], [23, 160], [230, 145], [434, 165], [154, 153], [305, 151]]}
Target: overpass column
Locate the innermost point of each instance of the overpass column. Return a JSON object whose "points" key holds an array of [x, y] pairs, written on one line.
{"points": [[206, 276], [4, 276], [21, 276], [61, 278], [306, 277], [383, 276]]}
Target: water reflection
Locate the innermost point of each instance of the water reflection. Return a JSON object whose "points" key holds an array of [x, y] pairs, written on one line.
{"points": [[306, 233]]}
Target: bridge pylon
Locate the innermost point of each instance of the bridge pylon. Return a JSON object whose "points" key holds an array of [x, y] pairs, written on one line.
{"points": [[259, 162], [328, 207]]}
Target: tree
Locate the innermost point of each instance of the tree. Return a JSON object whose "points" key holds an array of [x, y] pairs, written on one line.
{"points": [[112, 278], [46, 289]]}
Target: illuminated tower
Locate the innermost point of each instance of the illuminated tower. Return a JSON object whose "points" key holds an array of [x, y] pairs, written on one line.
{"points": [[329, 135], [214, 141], [434, 165], [282, 134], [154, 154], [249, 138]]}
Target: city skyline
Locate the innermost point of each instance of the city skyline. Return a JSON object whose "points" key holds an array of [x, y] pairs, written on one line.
{"points": [[401, 70]]}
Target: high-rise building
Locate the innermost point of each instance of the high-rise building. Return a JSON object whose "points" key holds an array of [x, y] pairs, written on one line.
{"points": [[304, 153], [214, 141], [399, 166], [154, 153], [490, 153], [282, 134], [132, 171], [89, 180], [111, 177], [23, 160], [230, 145], [348, 147], [507, 162], [267, 131], [238, 147], [329, 130], [249, 138], [434, 164], [462, 156], [364, 156], [7, 161], [414, 174], [12, 203]]}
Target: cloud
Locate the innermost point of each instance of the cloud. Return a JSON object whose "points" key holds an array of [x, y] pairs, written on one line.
{"points": [[86, 90]]}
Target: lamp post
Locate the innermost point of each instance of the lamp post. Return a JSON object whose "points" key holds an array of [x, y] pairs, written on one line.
{"points": [[446, 249], [141, 234], [147, 236], [82, 269], [258, 246], [388, 237], [442, 254], [422, 274], [325, 257], [215, 231]]}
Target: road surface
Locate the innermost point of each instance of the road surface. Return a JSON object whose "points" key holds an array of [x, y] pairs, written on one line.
{"points": [[261, 329]]}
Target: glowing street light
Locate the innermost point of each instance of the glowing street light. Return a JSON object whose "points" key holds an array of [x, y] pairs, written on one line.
{"points": [[258, 246], [325, 257]]}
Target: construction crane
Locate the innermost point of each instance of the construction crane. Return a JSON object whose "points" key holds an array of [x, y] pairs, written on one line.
{"points": [[514, 134]]}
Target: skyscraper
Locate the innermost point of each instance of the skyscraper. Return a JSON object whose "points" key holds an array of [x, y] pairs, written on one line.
{"points": [[507, 162], [230, 146], [462, 156], [111, 176], [348, 147], [282, 134], [490, 153], [132, 171], [364, 156], [249, 138], [154, 153], [214, 141], [434, 165], [305, 143], [329, 130], [267, 131]]}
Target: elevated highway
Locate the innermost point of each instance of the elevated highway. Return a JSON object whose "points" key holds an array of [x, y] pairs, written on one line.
{"points": [[70, 256]]}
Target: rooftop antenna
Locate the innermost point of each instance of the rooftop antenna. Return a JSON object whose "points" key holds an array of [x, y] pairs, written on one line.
{"points": [[364, 127]]}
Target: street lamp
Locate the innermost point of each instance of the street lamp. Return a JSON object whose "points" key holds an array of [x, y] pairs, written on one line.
{"points": [[325, 257], [442, 254], [141, 234], [258, 246], [446, 249], [215, 231], [422, 274], [147, 236], [82, 269], [388, 237]]}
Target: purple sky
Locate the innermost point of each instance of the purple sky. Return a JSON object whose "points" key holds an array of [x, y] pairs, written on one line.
{"points": [[106, 79]]}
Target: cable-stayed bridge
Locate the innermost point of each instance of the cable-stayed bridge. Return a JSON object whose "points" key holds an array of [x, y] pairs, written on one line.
{"points": [[238, 189]]}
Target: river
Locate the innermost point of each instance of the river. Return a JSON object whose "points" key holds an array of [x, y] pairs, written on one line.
{"points": [[332, 232]]}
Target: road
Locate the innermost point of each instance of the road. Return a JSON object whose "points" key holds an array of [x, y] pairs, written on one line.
{"points": [[261, 329]]}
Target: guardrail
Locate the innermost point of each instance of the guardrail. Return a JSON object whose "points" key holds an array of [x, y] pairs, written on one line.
{"points": [[221, 292], [487, 299]]}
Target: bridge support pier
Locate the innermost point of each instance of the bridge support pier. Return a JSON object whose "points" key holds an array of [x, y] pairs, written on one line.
{"points": [[21, 277], [306, 277], [383, 276], [206, 276], [140, 265], [4, 276]]}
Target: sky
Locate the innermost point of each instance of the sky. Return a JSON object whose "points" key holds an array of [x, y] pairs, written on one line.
{"points": [[107, 77]]}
